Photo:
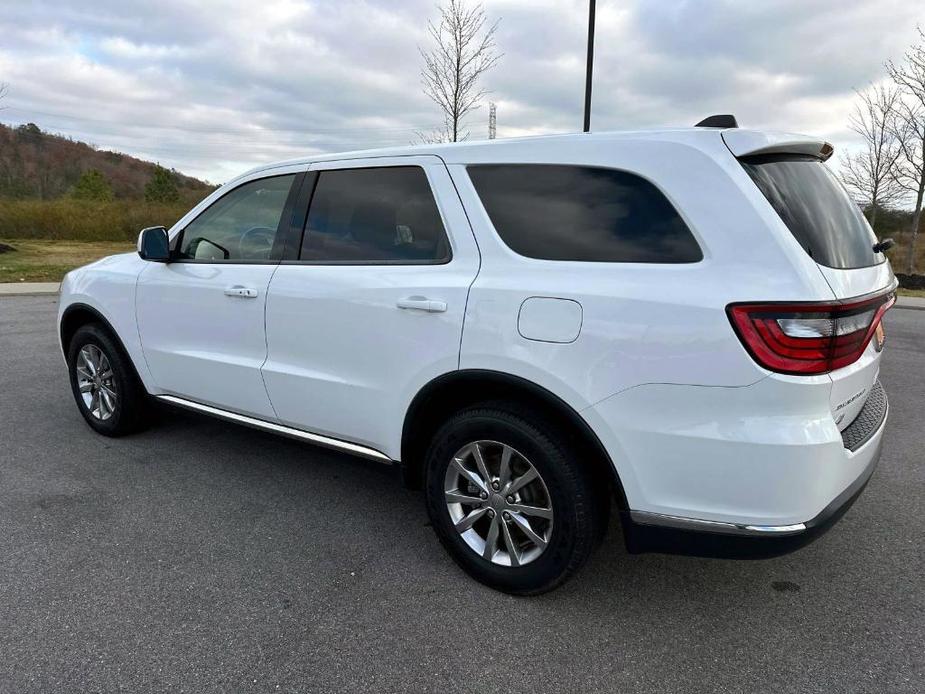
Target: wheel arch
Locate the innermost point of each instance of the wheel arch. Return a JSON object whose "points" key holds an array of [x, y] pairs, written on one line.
{"points": [[79, 314], [451, 392]]}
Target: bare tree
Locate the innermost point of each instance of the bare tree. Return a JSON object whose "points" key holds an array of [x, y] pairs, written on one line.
{"points": [[464, 50], [433, 137], [871, 174], [4, 90], [910, 132]]}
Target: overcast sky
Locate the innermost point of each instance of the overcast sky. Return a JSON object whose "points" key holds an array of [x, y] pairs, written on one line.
{"points": [[213, 87]]}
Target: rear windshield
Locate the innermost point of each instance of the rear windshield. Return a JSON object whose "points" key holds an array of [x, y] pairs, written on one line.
{"points": [[816, 208]]}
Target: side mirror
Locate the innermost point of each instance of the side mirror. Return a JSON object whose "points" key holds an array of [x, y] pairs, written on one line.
{"points": [[884, 245], [154, 245]]}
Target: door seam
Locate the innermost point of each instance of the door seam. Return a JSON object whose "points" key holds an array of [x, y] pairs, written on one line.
{"points": [[266, 342], [478, 269]]}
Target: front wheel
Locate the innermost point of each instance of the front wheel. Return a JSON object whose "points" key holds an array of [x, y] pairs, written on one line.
{"points": [[108, 393], [510, 500]]}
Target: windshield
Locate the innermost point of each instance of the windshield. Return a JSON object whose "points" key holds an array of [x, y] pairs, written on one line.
{"points": [[816, 208]]}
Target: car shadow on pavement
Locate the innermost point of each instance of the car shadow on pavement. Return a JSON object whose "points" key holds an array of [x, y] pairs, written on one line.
{"points": [[375, 511]]}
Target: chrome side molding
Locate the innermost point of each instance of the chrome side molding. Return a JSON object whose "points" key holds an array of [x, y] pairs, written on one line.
{"points": [[282, 430], [681, 523]]}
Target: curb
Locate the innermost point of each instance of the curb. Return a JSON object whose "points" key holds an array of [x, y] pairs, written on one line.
{"points": [[30, 289], [21, 295]]}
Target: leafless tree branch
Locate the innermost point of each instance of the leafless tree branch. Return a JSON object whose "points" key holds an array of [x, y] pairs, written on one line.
{"points": [[909, 131], [871, 173], [463, 50], [435, 136]]}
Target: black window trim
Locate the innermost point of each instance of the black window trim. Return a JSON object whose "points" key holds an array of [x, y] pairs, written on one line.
{"points": [[283, 230], [691, 228], [299, 217], [310, 183]]}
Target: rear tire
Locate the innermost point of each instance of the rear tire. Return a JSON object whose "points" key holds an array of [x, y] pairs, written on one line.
{"points": [[546, 529], [106, 388]]}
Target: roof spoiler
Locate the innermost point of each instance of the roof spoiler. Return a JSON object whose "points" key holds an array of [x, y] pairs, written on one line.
{"points": [[745, 143], [722, 120]]}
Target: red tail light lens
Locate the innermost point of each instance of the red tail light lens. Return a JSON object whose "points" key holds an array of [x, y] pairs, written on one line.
{"points": [[810, 338]]}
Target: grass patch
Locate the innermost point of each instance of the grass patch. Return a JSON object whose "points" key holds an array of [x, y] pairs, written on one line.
{"points": [[77, 220], [920, 293], [48, 261]]}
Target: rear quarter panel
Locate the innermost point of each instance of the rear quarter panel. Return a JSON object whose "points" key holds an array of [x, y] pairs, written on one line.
{"points": [[642, 323]]}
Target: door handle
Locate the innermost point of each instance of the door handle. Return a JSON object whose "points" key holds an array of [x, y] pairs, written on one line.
{"points": [[421, 303], [241, 292]]}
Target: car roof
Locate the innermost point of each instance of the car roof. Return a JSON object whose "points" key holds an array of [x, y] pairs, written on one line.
{"points": [[473, 151]]}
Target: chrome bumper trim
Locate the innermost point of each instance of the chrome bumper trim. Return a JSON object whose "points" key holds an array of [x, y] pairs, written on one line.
{"points": [[681, 523], [724, 528], [326, 441]]}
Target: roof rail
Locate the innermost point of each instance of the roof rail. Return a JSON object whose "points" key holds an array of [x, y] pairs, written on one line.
{"points": [[722, 120]]}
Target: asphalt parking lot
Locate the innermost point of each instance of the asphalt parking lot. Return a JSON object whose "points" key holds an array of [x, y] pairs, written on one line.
{"points": [[204, 557]]}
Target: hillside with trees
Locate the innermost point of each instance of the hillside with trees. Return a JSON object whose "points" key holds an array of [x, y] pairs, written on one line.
{"points": [[53, 187], [39, 164]]}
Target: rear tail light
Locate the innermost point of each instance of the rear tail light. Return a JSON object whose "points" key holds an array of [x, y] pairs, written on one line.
{"points": [[808, 338]]}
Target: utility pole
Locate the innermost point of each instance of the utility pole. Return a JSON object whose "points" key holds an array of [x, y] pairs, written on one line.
{"points": [[587, 127], [492, 120]]}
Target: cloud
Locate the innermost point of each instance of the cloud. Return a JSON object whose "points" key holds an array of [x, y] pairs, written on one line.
{"points": [[212, 88]]}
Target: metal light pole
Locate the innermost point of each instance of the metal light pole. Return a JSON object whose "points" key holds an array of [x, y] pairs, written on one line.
{"points": [[590, 66]]}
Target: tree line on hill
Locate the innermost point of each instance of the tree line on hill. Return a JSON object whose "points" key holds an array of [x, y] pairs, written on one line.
{"points": [[35, 164]]}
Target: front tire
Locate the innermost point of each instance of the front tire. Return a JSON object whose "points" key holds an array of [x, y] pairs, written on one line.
{"points": [[106, 389], [510, 500]]}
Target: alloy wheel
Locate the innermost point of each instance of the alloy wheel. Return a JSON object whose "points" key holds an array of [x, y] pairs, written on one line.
{"points": [[96, 382], [498, 503]]}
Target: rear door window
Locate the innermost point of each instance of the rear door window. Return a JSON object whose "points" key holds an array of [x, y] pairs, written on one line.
{"points": [[816, 208], [556, 212], [377, 215]]}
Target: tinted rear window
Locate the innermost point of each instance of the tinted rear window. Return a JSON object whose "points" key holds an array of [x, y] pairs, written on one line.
{"points": [[816, 208], [584, 213], [382, 214]]}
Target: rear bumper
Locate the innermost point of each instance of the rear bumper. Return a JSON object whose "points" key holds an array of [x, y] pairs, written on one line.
{"points": [[653, 532]]}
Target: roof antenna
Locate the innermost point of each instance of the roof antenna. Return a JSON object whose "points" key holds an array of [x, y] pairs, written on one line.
{"points": [[722, 120], [588, 70]]}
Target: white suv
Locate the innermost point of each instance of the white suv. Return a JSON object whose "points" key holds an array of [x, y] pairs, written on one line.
{"points": [[686, 323]]}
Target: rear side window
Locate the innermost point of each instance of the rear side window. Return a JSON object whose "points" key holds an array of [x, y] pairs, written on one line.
{"points": [[584, 213], [816, 208], [376, 215]]}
